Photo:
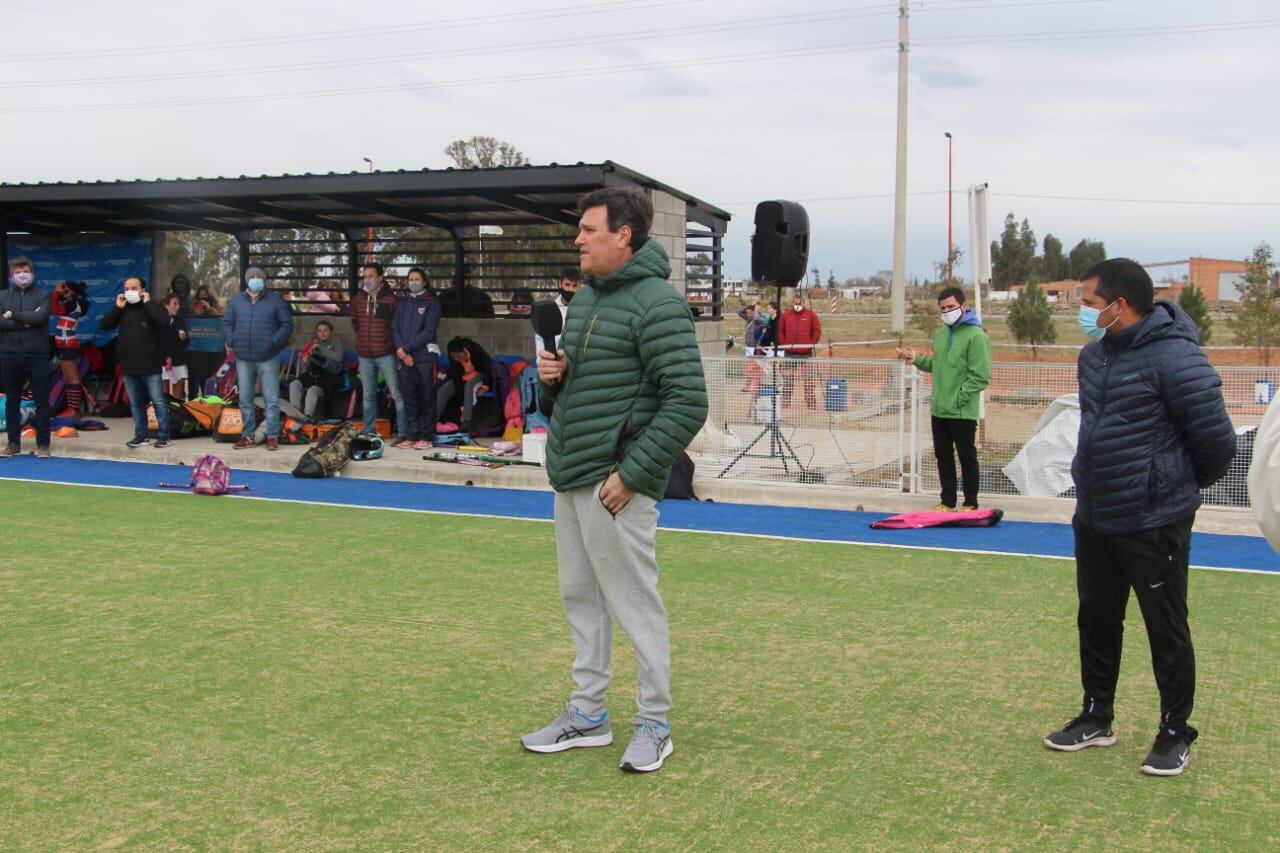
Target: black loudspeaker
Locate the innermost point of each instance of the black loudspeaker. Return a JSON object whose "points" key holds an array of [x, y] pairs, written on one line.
{"points": [[780, 246]]}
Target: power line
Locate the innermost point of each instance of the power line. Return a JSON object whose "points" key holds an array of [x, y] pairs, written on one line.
{"points": [[807, 51], [1114, 200], [474, 81], [632, 35], [928, 5], [817, 199], [1179, 29], [1047, 197], [352, 32], [978, 4]]}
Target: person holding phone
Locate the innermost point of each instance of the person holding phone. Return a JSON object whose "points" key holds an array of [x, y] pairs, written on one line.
{"points": [[144, 332]]}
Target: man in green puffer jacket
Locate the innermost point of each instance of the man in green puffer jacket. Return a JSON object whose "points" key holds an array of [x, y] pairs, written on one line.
{"points": [[961, 368], [629, 397]]}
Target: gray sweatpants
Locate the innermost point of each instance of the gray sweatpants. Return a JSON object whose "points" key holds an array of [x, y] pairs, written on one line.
{"points": [[609, 570]]}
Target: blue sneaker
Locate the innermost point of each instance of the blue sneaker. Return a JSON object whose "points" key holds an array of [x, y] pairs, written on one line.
{"points": [[650, 746], [569, 730]]}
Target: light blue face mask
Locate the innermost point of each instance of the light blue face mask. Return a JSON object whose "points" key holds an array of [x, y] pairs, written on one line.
{"points": [[1088, 321], [256, 285]]}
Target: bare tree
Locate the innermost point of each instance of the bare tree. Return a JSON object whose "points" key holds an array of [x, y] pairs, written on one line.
{"points": [[484, 152]]}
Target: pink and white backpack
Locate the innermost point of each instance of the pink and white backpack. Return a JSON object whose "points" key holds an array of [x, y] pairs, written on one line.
{"points": [[210, 476]]}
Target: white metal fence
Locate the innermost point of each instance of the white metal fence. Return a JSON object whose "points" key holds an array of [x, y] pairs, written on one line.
{"points": [[865, 423]]}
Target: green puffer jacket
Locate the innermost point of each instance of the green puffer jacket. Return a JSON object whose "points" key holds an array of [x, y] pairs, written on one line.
{"points": [[961, 368], [633, 394]]}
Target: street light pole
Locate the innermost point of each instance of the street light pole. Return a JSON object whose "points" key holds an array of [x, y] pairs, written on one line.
{"points": [[950, 242], [898, 292], [368, 251]]}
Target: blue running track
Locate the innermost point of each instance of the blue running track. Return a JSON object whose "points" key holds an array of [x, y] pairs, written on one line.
{"points": [[1211, 551]]}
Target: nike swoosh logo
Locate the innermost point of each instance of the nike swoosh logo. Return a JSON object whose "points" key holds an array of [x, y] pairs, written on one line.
{"points": [[1185, 754], [1090, 736], [1156, 585]]}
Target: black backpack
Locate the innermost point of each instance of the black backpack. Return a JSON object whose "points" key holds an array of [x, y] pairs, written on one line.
{"points": [[680, 483]]}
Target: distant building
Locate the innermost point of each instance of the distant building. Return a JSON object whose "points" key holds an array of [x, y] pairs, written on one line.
{"points": [[1065, 291], [1218, 279], [860, 292]]}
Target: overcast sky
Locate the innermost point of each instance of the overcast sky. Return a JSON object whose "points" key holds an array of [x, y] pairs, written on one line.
{"points": [[1148, 124]]}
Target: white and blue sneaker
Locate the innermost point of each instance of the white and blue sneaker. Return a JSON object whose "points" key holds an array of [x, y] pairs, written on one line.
{"points": [[650, 746], [570, 730]]}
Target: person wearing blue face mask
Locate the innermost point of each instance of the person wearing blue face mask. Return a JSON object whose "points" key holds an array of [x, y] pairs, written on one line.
{"points": [[24, 353], [257, 326], [1154, 431]]}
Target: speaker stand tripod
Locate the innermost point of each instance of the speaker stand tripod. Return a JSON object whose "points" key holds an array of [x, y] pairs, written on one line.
{"points": [[779, 447]]}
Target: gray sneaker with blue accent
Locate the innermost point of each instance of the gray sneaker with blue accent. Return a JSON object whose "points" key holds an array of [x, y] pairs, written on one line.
{"points": [[570, 730], [650, 746]]}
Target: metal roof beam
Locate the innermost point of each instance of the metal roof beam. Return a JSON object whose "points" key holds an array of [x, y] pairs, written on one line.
{"points": [[48, 224], [410, 215], [180, 221], [513, 203], [287, 218]]}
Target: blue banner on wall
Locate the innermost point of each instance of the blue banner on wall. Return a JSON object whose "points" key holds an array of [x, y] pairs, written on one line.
{"points": [[102, 265], [204, 334]]}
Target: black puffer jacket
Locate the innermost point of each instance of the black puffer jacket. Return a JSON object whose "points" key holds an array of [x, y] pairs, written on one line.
{"points": [[27, 331], [1153, 429], [144, 328]]}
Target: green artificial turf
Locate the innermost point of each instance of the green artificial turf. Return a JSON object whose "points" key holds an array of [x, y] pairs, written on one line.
{"points": [[228, 674]]}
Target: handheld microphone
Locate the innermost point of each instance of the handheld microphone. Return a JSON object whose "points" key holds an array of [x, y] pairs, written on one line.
{"points": [[548, 323]]}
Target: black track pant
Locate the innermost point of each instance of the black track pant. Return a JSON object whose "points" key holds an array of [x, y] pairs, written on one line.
{"points": [[956, 434], [418, 385], [1154, 564]]}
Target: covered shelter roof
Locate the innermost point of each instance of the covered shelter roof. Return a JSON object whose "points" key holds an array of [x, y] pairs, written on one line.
{"points": [[345, 203]]}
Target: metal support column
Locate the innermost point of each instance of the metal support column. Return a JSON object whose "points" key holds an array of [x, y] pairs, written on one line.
{"points": [[4, 256], [459, 265], [242, 240], [353, 263]]}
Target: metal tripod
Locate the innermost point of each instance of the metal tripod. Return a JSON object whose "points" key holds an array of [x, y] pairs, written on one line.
{"points": [[779, 447]]}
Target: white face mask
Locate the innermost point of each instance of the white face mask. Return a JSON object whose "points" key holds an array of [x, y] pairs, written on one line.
{"points": [[417, 286], [22, 279], [133, 297], [953, 316], [370, 285], [798, 308]]}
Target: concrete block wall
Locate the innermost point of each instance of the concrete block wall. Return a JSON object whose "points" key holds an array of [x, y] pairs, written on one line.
{"points": [[497, 336], [669, 230]]}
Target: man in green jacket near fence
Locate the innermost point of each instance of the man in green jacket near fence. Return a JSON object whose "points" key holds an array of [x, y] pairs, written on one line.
{"points": [[961, 368], [629, 397]]}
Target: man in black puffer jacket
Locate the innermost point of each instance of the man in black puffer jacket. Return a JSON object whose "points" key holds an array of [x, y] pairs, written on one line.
{"points": [[144, 328], [1154, 431]]}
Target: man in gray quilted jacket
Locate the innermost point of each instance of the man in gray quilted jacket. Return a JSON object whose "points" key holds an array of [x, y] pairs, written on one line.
{"points": [[629, 396], [1154, 431]]}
